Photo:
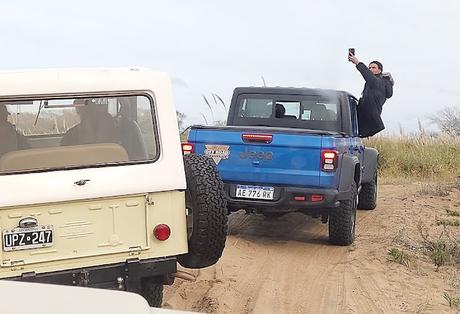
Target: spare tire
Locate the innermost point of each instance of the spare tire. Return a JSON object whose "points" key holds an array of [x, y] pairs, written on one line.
{"points": [[206, 212]]}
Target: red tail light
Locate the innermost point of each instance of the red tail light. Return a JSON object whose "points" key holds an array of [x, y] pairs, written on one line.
{"points": [[261, 138], [316, 198], [162, 232], [188, 148], [329, 160]]}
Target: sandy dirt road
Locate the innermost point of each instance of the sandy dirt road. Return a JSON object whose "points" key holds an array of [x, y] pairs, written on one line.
{"points": [[286, 265]]}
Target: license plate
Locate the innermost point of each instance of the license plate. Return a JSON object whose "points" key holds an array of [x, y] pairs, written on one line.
{"points": [[27, 238], [255, 192]]}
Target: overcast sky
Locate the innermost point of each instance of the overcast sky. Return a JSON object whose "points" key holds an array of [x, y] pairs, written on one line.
{"points": [[213, 46]]}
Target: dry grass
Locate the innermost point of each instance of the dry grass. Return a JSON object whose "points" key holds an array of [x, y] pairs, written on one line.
{"points": [[422, 157], [433, 189], [448, 222], [453, 213], [452, 301], [399, 256], [445, 250]]}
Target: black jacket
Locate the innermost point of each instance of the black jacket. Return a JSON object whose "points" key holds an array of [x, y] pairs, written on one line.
{"points": [[371, 102]]}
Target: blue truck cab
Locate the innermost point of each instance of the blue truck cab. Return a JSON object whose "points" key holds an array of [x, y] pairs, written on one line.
{"points": [[293, 150]]}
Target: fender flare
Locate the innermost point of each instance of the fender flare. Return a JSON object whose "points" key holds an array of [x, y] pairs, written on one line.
{"points": [[349, 172], [370, 159]]}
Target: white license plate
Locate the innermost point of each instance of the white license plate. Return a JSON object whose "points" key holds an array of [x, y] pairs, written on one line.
{"points": [[255, 192], [27, 238]]}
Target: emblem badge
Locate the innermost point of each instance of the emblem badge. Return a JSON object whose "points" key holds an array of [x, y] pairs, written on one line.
{"points": [[217, 152]]}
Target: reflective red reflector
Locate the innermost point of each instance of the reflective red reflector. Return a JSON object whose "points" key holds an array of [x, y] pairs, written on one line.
{"points": [[188, 148], [162, 232], [317, 198], [262, 138], [299, 198]]}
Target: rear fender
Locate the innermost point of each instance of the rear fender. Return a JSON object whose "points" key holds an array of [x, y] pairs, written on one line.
{"points": [[348, 166], [370, 159]]}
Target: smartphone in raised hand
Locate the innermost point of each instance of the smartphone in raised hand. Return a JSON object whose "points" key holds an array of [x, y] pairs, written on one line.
{"points": [[351, 51]]}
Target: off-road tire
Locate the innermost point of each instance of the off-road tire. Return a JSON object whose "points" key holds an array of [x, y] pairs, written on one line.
{"points": [[152, 291], [342, 220], [368, 195], [205, 199]]}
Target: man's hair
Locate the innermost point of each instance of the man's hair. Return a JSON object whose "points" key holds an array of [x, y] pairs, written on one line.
{"points": [[279, 110], [379, 65]]}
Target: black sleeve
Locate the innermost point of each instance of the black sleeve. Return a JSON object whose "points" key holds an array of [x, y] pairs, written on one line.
{"points": [[388, 90], [369, 77]]}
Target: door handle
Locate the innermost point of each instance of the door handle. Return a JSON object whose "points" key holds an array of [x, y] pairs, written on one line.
{"points": [[81, 182]]}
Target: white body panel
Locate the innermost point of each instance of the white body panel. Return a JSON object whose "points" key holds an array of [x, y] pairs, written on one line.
{"points": [[26, 298], [166, 174]]}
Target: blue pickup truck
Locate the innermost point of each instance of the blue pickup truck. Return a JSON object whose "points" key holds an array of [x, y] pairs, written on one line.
{"points": [[293, 150]]}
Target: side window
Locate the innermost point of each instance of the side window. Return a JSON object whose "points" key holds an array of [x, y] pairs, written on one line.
{"points": [[255, 108], [354, 116]]}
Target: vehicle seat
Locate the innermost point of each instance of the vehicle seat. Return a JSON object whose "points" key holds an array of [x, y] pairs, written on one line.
{"points": [[8, 139], [320, 112], [100, 129], [131, 139], [332, 116]]}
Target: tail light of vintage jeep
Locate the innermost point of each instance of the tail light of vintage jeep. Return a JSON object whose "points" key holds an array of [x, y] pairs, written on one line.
{"points": [[329, 160], [162, 232]]}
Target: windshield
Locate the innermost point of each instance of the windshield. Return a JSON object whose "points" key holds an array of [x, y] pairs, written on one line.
{"points": [[50, 134], [307, 112]]}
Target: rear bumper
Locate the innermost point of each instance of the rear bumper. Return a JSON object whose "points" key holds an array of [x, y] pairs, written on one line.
{"points": [[284, 199], [105, 276]]}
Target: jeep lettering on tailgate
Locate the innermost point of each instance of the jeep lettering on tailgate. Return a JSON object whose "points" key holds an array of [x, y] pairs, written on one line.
{"points": [[257, 155]]}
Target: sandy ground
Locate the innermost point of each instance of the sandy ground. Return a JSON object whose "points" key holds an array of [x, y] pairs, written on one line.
{"points": [[286, 265]]}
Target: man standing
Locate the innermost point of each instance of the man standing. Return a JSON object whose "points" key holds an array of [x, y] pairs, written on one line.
{"points": [[376, 91]]}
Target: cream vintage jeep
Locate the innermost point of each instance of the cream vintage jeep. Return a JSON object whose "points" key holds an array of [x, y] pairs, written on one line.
{"points": [[93, 184]]}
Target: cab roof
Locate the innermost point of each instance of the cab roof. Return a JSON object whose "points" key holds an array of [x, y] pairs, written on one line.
{"points": [[288, 91], [24, 83]]}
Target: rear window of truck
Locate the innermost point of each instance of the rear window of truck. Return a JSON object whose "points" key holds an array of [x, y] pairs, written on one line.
{"points": [[45, 134], [307, 112]]}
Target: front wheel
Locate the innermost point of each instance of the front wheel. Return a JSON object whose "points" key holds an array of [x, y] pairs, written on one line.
{"points": [[206, 213], [342, 220]]}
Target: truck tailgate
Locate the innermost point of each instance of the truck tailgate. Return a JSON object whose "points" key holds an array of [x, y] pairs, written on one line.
{"points": [[255, 156], [109, 226]]}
